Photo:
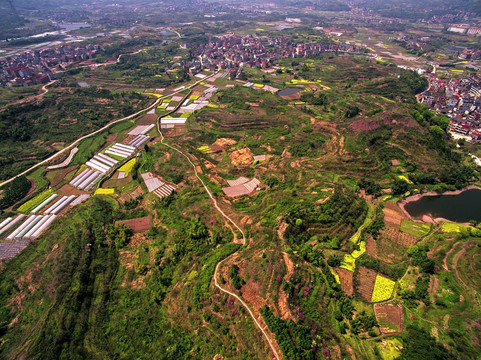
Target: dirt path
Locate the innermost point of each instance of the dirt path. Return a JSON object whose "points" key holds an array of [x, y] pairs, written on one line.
{"points": [[44, 88], [120, 55], [272, 343], [342, 151], [445, 263], [399, 147]]}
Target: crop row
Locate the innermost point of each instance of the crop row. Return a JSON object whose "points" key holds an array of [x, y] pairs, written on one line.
{"points": [[37, 200]]}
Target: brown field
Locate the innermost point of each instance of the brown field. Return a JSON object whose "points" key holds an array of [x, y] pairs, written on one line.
{"points": [[393, 215], [346, 278], [367, 278], [147, 120], [227, 121], [70, 190], [60, 175], [390, 318], [115, 182], [385, 248], [175, 131], [399, 238], [126, 140], [137, 225]]}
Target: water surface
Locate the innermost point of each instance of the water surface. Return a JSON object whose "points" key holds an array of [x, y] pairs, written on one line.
{"points": [[458, 208], [289, 91]]}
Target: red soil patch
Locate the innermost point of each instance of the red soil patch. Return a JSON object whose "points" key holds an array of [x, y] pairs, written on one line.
{"points": [[346, 278], [365, 126], [216, 148], [128, 139], [137, 225], [390, 318], [393, 215], [241, 157], [367, 278], [147, 120], [289, 266], [371, 246], [283, 305], [70, 190], [175, 131]]}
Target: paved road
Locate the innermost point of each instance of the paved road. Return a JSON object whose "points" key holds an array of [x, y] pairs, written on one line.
{"points": [[150, 107]]}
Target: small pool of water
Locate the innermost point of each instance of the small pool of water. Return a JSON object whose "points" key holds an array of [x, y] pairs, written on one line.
{"points": [[289, 91], [458, 208]]}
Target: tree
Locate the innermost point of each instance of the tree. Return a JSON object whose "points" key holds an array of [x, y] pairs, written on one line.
{"points": [[14, 191], [399, 187], [352, 111], [121, 235]]}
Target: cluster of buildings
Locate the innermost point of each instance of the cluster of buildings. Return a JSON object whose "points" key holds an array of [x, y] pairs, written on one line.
{"points": [[460, 100], [234, 52], [473, 30], [39, 66]]}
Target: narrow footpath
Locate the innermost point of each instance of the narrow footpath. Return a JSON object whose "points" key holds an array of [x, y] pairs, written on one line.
{"points": [[270, 341]]}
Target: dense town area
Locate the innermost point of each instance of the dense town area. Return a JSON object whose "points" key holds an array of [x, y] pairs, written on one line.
{"points": [[39, 66]]}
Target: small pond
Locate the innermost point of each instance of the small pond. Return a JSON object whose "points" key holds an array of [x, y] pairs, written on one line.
{"points": [[458, 208], [289, 91]]}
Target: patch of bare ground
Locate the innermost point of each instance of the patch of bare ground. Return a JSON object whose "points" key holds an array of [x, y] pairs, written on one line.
{"points": [[134, 194], [110, 139], [367, 278], [342, 151], [289, 266], [399, 237], [390, 318], [371, 246], [445, 262], [282, 229], [267, 147], [128, 257], [285, 154], [147, 120], [393, 215], [246, 220], [60, 175], [241, 157], [346, 277], [283, 305], [295, 164], [446, 321]]}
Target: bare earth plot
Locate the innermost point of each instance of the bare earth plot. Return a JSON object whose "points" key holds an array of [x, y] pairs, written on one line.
{"points": [[367, 278], [390, 318], [137, 225], [346, 278]]}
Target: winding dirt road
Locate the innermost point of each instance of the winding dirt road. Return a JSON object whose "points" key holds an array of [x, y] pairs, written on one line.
{"points": [[270, 341]]}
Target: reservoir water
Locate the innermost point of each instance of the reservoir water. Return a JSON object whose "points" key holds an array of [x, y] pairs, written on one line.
{"points": [[288, 91], [458, 208]]}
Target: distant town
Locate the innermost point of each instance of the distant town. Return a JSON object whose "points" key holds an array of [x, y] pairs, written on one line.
{"points": [[459, 98], [39, 66]]}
